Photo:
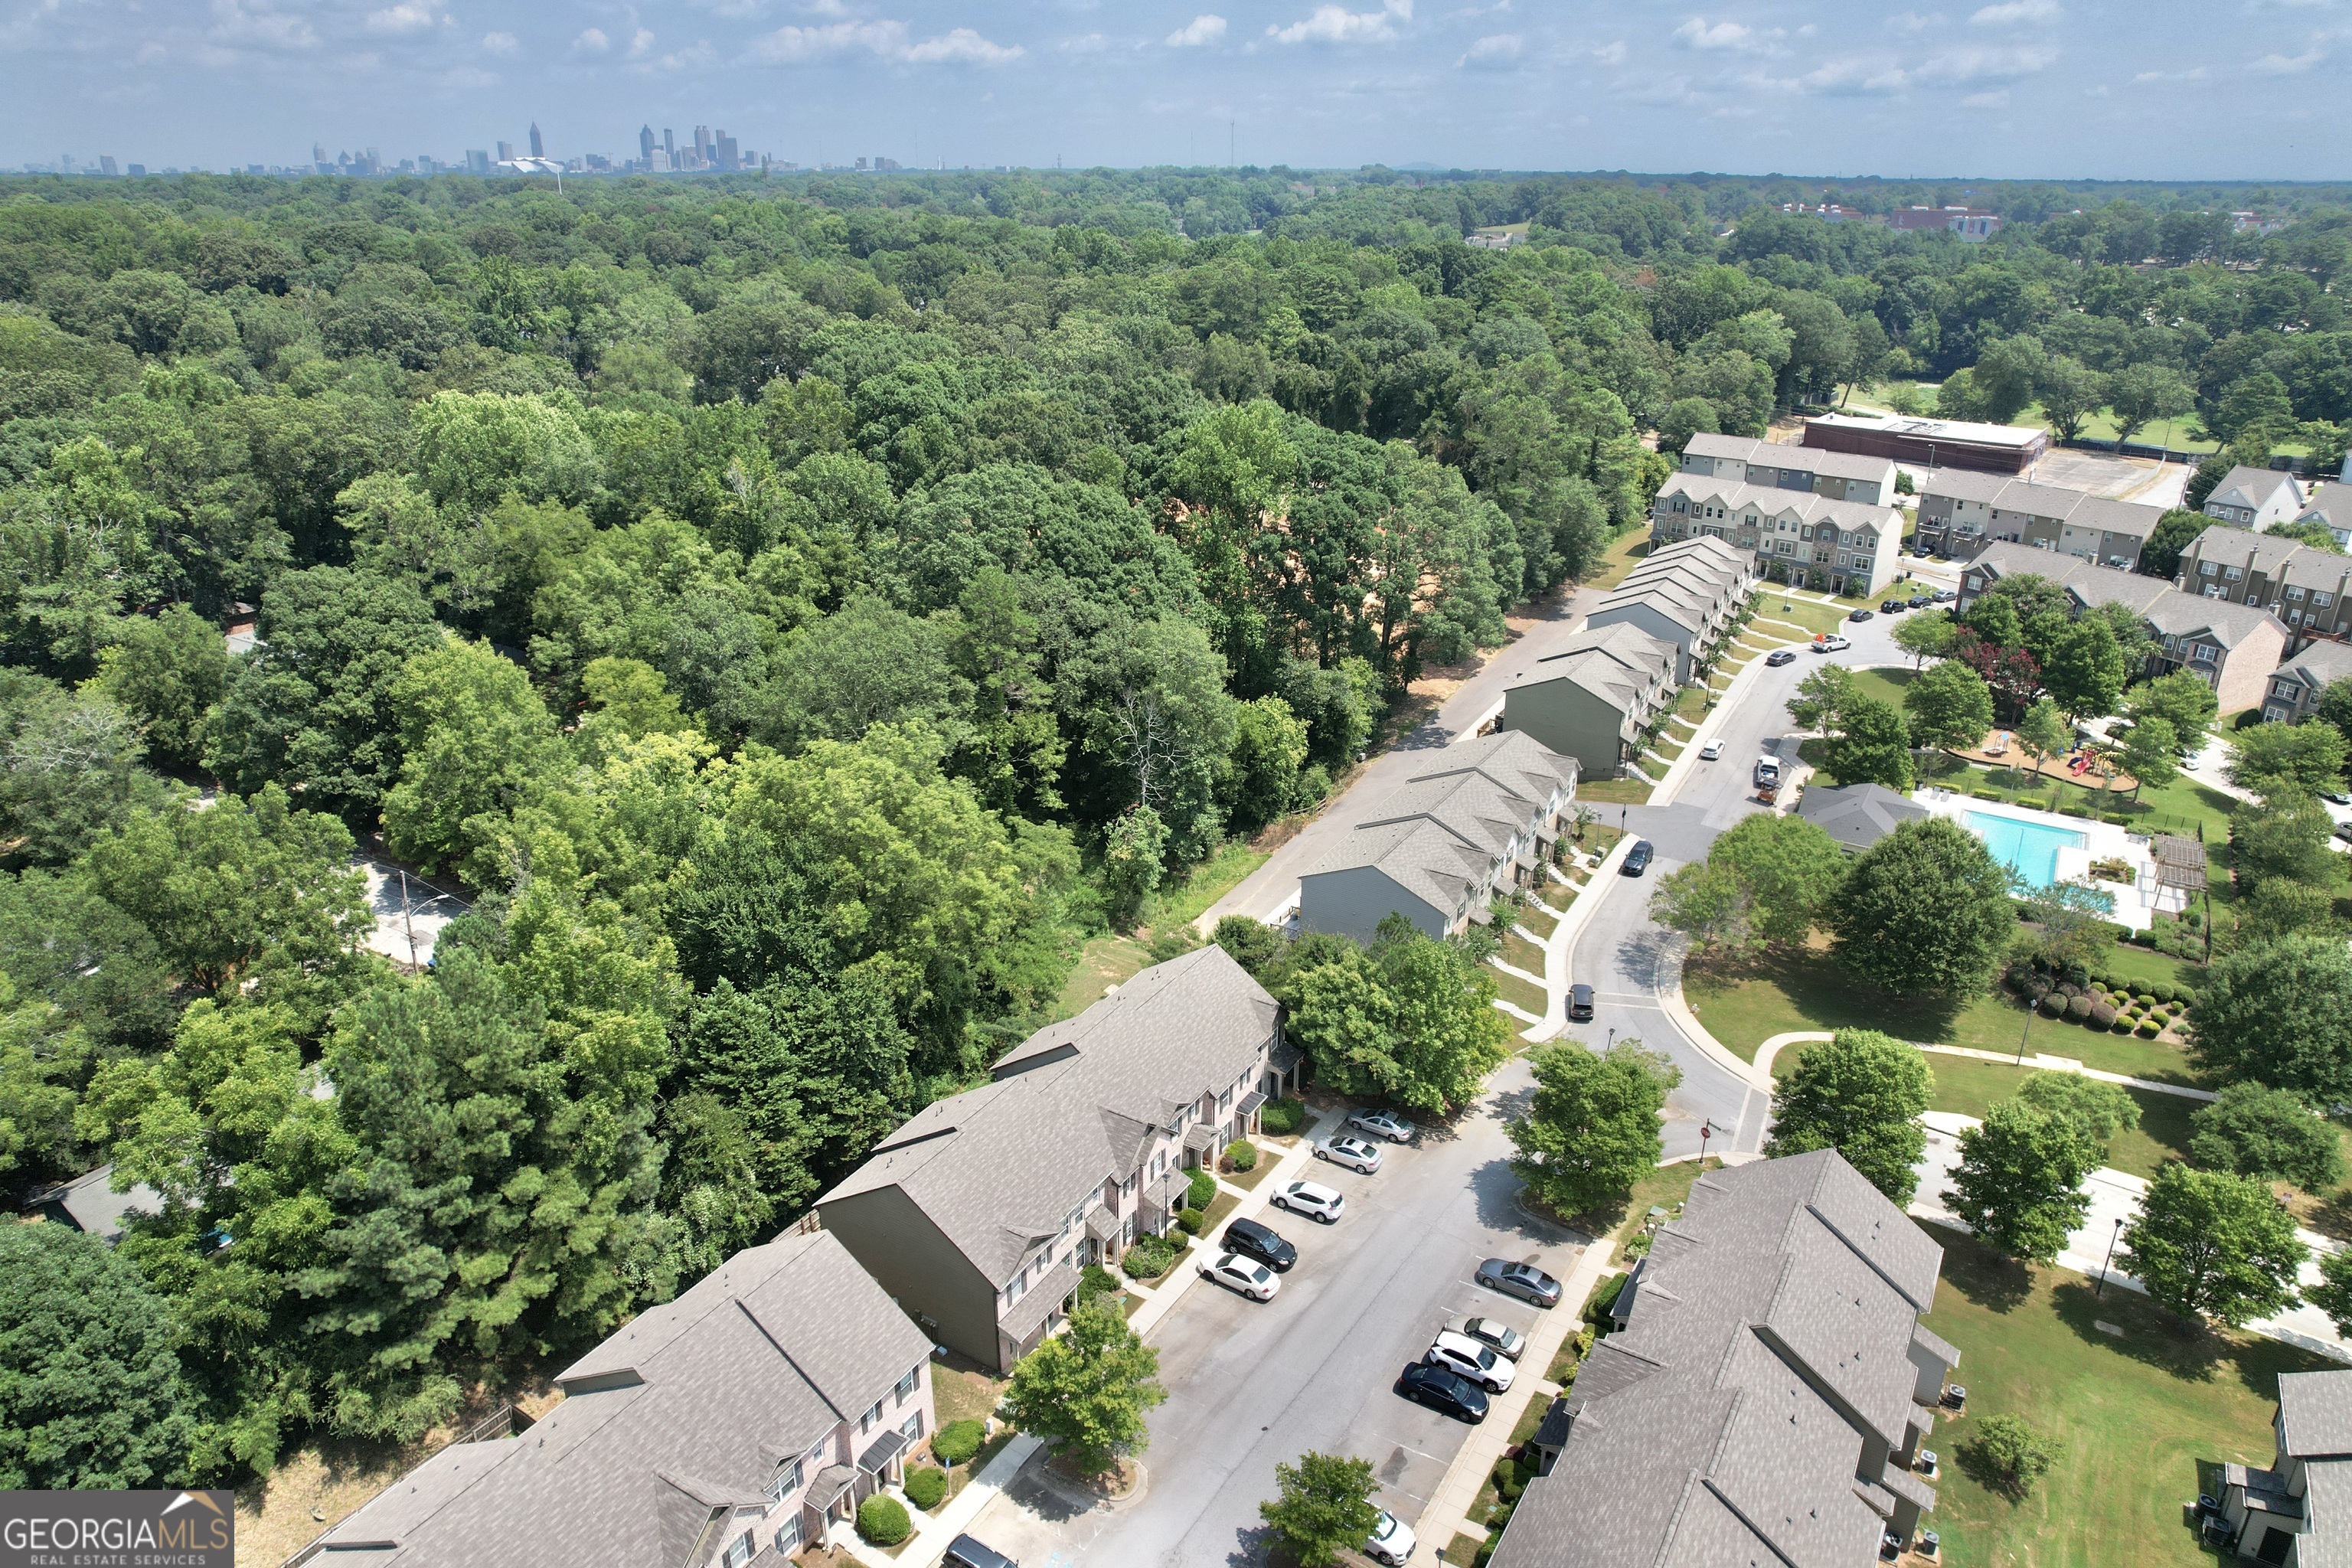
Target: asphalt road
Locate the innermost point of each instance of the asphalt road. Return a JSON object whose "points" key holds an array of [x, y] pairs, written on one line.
{"points": [[1254, 1383]]}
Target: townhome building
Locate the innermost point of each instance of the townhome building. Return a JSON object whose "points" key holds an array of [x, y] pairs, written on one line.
{"points": [[1686, 593], [1790, 536], [1780, 464], [2310, 590], [1962, 510], [2254, 498], [977, 1214], [2298, 1512], [1479, 821], [2232, 647], [1594, 699], [1765, 1393], [2296, 684], [733, 1425], [2330, 506]]}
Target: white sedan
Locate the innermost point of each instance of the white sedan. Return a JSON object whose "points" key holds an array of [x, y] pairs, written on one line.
{"points": [[1246, 1275], [1380, 1124], [1315, 1201], [1352, 1153], [1393, 1540]]}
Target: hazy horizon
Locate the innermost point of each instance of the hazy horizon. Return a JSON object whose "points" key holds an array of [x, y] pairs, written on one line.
{"points": [[2011, 90]]}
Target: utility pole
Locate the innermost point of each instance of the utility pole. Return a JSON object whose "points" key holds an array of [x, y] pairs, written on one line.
{"points": [[2100, 1290]]}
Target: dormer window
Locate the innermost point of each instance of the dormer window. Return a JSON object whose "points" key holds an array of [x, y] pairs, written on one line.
{"points": [[787, 1482]]}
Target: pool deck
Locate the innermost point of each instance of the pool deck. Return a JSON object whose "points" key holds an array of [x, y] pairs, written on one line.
{"points": [[2136, 903]]}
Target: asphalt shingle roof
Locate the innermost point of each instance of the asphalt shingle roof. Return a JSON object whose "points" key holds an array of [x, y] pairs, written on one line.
{"points": [[693, 1406], [2319, 664], [1617, 663], [2074, 507], [1857, 816], [1806, 506], [2249, 486], [2315, 1413], [1790, 455]]}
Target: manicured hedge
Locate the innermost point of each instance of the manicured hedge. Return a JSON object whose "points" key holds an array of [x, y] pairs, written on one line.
{"points": [[1202, 1191], [927, 1487], [882, 1520], [1281, 1118], [958, 1441], [1242, 1155]]}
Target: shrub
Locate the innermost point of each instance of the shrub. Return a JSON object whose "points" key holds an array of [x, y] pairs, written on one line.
{"points": [[1202, 1191], [1242, 1155], [2053, 1006], [958, 1441], [2078, 1007], [1596, 1309], [927, 1487], [882, 1520], [2102, 1015], [2143, 1000], [1191, 1220], [2008, 1456], [2149, 1028], [1149, 1258], [2124, 1026], [1094, 1280]]}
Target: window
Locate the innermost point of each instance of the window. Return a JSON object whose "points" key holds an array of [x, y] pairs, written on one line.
{"points": [[739, 1551], [912, 1427], [2322, 600], [2233, 573], [2294, 592], [866, 1422], [1224, 1102], [788, 1536], [2202, 653], [787, 1481], [907, 1384]]}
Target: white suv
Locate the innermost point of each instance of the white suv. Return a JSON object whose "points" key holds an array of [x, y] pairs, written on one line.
{"points": [[1393, 1540], [1312, 1200], [1461, 1353]]}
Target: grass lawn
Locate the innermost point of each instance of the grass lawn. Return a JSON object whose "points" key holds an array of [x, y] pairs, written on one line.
{"points": [[1520, 992], [2180, 807], [1211, 880], [1690, 702], [1967, 1087], [964, 1394], [1248, 1180], [2141, 1417], [1886, 685], [1219, 1208], [1612, 792], [1538, 921], [1105, 960], [1617, 562], [1809, 613], [1521, 954]]}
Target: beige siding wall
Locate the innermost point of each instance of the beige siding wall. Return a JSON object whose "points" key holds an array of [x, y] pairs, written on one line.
{"points": [[1564, 717], [909, 1257], [1353, 903]]}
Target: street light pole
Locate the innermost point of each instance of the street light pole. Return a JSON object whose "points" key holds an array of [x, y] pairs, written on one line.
{"points": [[2029, 1005], [1706, 1132], [2099, 1289]]}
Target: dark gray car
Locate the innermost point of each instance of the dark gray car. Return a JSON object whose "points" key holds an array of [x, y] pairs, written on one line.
{"points": [[963, 1551]]}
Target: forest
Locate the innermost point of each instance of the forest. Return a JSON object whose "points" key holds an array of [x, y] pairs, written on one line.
{"points": [[799, 614]]}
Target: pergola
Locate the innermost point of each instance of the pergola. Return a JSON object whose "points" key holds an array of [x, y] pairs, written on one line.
{"points": [[2180, 862]]}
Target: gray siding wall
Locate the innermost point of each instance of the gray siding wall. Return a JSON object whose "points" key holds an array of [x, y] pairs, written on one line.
{"points": [[1566, 718], [1353, 902], [1657, 625], [910, 1257]]}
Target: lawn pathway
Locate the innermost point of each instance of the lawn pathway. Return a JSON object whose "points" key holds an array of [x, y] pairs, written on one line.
{"points": [[2115, 1195]]}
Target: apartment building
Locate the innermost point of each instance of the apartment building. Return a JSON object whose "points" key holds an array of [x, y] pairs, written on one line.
{"points": [[734, 1425], [2310, 590], [1593, 700], [1779, 465], [2297, 682], [1920, 443], [1805, 540], [2233, 646], [977, 1214], [2299, 1511], [2330, 506], [1962, 510], [1764, 1395], [2254, 498], [1973, 225], [1479, 821]]}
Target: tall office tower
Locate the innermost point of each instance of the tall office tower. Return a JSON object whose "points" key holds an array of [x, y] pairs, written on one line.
{"points": [[669, 147], [538, 147], [478, 161], [703, 149], [727, 154], [645, 144], [106, 165], [506, 151], [318, 152]]}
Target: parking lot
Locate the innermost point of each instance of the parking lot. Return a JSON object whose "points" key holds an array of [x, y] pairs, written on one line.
{"points": [[1252, 1384]]}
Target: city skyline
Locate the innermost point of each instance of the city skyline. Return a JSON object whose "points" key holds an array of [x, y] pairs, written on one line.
{"points": [[2013, 88]]}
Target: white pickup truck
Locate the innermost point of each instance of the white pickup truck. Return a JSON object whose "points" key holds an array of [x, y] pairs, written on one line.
{"points": [[1767, 773]]}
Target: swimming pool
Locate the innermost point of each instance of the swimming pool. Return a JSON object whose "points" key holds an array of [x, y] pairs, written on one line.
{"points": [[2032, 847]]}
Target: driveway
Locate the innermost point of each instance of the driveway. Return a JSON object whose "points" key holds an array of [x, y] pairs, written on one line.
{"points": [[1253, 1384]]}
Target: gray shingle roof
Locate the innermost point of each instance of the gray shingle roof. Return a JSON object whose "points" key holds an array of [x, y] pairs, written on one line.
{"points": [[1857, 816], [1447, 826], [2193, 614], [1788, 455], [2330, 504], [2319, 664], [2250, 487], [1806, 506], [693, 1406], [1725, 1424], [89, 1203], [2085, 583], [2074, 507], [1618, 663], [999, 1168], [2316, 1412]]}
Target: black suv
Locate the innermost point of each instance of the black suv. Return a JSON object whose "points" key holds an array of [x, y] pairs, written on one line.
{"points": [[1579, 1003], [1254, 1240], [1637, 859]]}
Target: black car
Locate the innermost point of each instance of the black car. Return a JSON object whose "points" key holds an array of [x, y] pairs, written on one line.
{"points": [[1921, 601], [1252, 1239], [1637, 859], [1443, 1391], [1859, 616], [963, 1551], [1579, 1003], [1778, 657], [1894, 606]]}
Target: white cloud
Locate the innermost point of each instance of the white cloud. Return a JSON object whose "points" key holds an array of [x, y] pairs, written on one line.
{"points": [[2288, 65], [1497, 51], [698, 56], [469, 76], [1698, 35], [641, 41], [591, 42], [1205, 28], [886, 40], [237, 26], [407, 16], [1337, 25], [1085, 44], [2010, 11], [1996, 98], [1611, 54], [500, 43], [1880, 74], [1914, 21]]}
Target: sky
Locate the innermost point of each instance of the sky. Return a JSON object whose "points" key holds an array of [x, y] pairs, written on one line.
{"points": [[2010, 89]]}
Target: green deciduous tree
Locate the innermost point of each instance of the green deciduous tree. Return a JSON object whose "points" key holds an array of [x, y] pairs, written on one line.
{"points": [[2008, 1455], [2251, 1131], [90, 1389], [1872, 745], [1788, 868], [1086, 1390], [476, 743], [1949, 705], [2213, 1245], [167, 672], [2151, 754], [2181, 700], [1251, 943], [2043, 732], [2071, 393], [1323, 1506], [2019, 1184], [1822, 698], [1861, 1093], [1409, 1020], [2099, 1110], [2278, 1014], [2140, 395], [2308, 756], [1926, 909], [1591, 1131], [1926, 636], [2083, 669], [2283, 836], [69, 769]]}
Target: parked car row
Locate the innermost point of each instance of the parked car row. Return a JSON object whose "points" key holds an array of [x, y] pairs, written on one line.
{"points": [[1253, 1256]]}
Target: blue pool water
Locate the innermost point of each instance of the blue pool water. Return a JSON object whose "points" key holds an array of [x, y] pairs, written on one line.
{"points": [[2030, 846]]}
